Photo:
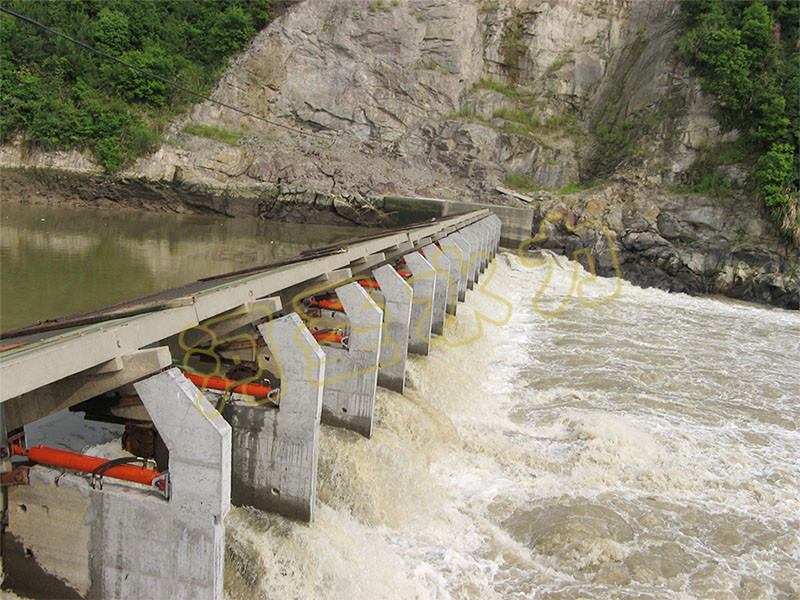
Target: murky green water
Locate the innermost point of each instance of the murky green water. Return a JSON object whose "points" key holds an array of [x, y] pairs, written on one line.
{"points": [[56, 261]]}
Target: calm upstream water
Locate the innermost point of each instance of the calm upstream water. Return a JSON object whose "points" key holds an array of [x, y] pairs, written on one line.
{"points": [[56, 261], [626, 443]]}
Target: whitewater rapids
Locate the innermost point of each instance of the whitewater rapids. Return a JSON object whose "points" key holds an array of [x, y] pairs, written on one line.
{"points": [[560, 441]]}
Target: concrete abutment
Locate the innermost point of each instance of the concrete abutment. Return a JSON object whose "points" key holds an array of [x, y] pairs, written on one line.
{"points": [[276, 449], [398, 298], [423, 282], [351, 373], [441, 298]]}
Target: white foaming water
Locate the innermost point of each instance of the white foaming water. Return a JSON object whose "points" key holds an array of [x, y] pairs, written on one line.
{"points": [[639, 445]]}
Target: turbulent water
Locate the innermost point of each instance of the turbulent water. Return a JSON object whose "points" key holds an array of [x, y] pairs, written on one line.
{"points": [[617, 443]]}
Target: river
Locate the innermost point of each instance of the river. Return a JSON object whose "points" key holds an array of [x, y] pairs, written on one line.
{"points": [[636, 444], [620, 443], [60, 260]]}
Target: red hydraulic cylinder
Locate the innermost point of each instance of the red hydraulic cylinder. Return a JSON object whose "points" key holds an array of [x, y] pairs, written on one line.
{"points": [[330, 304], [219, 383], [55, 457], [327, 336]]}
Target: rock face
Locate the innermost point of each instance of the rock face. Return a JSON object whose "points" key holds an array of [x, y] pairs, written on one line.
{"points": [[452, 98], [683, 244], [449, 98]]}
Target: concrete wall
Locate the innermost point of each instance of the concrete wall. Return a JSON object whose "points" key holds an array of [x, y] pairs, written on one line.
{"points": [[517, 223], [398, 297], [351, 374], [126, 541], [442, 293], [423, 282], [458, 251], [276, 449]]}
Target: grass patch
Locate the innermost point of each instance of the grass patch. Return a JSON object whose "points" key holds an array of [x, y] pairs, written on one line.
{"points": [[521, 122], [728, 153], [578, 187], [518, 122], [467, 113], [520, 183], [566, 124], [614, 145], [703, 177], [528, 121], [526, 185], [218, 134], [710, 184], [556, 65], [567, 57], [378, 5], [509, 91], [432, 65]]}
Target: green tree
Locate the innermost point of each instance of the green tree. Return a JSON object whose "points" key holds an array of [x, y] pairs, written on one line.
{"points": [[757, 31], [745, 54], [59, 95], [229, 32], [135, 85], [112, 31], [775, 174]]}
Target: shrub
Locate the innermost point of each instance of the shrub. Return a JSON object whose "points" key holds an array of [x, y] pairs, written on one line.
{"points": [[63, 96], [746, 57]]}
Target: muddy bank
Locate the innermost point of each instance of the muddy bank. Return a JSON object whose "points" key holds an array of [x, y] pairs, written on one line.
{"points": [[274, 202]]}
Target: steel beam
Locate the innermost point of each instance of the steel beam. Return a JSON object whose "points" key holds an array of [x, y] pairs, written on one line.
{"points": [[82, 386]]}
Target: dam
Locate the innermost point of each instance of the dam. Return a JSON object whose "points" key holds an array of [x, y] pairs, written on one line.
{"points": [[222, 385]]}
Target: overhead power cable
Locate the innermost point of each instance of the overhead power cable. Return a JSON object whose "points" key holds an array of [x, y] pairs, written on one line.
{"points": [[155, 76]]}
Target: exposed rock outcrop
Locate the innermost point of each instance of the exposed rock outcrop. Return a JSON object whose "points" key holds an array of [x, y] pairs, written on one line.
{"points": [[678, 243], [451, 98]]}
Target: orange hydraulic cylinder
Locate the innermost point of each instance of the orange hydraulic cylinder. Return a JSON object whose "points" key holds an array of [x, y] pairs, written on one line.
{"points": [[327, 336], [87, 464], [330, 304], [369, 284], [219, 383]]}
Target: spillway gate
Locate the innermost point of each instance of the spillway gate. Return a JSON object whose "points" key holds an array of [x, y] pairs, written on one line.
{"points": [[223, 384]]}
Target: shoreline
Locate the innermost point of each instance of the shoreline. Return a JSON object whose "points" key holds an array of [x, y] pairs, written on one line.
{"points": [[667, 242]]}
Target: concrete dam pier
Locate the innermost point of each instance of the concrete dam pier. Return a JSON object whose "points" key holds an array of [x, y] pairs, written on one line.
{"points": [[221, 385]]}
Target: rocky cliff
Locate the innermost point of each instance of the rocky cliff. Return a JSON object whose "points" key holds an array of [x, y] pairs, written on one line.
{"points": [[453, 98]]}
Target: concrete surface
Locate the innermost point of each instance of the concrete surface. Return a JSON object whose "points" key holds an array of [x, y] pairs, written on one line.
{"points": [[398, 298], [351, 374], [423, 282]]}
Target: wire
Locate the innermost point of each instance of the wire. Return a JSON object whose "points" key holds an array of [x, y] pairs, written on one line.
{"points": [[100, 470], [155, 76]]}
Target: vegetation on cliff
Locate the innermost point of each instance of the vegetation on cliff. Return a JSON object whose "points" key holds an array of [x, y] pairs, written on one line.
{"points": [[63, 96], [746, 54]]}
